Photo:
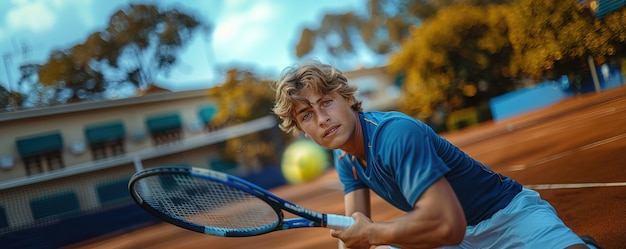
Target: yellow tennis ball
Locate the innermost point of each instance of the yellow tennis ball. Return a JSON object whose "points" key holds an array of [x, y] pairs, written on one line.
{"points": [[304, 161]]}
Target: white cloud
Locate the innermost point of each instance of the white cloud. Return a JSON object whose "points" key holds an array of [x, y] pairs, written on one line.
{"points": [[42, 15], [256, 33], [33, 16], [246, 30]]}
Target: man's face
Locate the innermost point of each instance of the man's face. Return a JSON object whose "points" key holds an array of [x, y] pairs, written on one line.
{"points": [[326, 119]]}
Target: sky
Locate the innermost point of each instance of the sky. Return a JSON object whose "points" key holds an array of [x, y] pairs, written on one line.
{"points": [[254, 34]]}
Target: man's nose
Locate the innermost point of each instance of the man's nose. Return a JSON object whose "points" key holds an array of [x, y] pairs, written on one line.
{"points": [[324, 118]]}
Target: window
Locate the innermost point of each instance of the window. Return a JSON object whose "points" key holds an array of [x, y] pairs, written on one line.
{"points": [[106, 140], [113, 192], [165, 128], [43, 162], [98, 151], [117, 148], [54, 206], [206, 115], [166, 137], [53, 160], [41, 153], [33, 164], [107, 149]]}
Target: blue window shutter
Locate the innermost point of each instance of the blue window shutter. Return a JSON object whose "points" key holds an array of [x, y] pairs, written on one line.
{"points": [[38, 144], [105, 132], [164, 122], [207, 113]]}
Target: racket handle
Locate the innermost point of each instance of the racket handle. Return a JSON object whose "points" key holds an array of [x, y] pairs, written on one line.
{"points": [[338, 222]]}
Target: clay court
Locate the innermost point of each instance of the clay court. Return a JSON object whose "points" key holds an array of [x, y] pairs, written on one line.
{"points": [[573, 153]]}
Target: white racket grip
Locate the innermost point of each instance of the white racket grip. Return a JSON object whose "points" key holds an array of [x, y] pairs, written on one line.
{"points": [[338, 222]]}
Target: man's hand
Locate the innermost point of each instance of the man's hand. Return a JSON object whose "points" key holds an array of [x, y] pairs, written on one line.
{"points": [[355, 237]]}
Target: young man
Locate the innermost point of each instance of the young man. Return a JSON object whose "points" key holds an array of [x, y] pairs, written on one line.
{"points": [[449, 198]]}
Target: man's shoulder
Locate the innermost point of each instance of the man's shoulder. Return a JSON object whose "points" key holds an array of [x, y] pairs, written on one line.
{"points": [[390, 128], [380, 117], [391, 119]]}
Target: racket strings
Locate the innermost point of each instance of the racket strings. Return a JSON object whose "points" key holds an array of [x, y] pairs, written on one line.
{"points": [[206, 203]]}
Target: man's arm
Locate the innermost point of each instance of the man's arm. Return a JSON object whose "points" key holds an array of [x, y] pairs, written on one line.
{"points": [[356, 201], [437, 220]]}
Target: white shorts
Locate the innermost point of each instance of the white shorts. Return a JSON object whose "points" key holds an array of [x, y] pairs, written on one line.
{"points": [[527, 222]]}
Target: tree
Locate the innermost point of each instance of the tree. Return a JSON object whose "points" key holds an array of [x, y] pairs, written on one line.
{"points": [[552, 38], [9, 99], [39, 95], [453, 60], [465, 54], [139, 43], [244, 97], [79, 77], [616, 23], [381, 29]]}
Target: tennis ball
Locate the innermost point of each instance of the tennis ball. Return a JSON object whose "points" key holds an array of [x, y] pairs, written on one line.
{"points": [[304, 161]]}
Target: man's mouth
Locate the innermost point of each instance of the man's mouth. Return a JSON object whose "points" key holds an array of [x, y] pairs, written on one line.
{"points": [[331, 130]]}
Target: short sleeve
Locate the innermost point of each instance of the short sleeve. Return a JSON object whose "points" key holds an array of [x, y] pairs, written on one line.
{"points": [[406, 147], [346, 174]]}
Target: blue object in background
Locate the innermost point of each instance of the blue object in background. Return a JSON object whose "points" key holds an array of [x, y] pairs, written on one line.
{"points": [[549, 92], [610, 76], [528, 99]]}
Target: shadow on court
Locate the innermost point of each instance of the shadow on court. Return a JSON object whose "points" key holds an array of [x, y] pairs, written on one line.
{"points": [[571, 152]]}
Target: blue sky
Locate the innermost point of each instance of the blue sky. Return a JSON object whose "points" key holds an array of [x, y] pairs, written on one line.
{"points": [[254, 34]]}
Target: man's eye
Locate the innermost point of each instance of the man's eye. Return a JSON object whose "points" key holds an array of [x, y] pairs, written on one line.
{"points": [[327, 102], [306, 116]]}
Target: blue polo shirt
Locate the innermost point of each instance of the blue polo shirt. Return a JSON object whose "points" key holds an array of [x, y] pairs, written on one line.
{"points": [[405, 156]]}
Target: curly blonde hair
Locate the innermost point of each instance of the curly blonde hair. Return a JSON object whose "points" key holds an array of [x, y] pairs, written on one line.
{"points": [[311, 74]]}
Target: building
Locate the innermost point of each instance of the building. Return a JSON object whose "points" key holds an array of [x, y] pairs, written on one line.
{"points": [[65, 162]]}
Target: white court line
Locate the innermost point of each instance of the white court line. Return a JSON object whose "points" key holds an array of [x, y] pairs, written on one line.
{"points": [[336, 185], [576, 185]]}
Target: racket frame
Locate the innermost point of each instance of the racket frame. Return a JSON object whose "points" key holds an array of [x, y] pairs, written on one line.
{"points": [[308, 218]]}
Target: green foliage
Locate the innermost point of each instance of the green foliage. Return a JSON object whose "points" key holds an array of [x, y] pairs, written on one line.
{"points": [[139, 43]]}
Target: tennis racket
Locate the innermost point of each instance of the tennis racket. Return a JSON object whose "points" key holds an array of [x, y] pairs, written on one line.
{"points": [[219, 204]]}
